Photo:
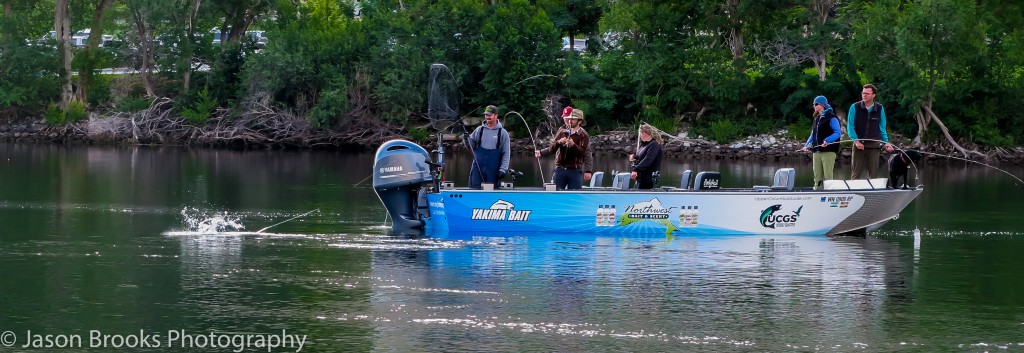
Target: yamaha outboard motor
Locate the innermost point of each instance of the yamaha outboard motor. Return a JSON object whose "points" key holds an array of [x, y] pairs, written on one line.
{"points": [[400, 169]]}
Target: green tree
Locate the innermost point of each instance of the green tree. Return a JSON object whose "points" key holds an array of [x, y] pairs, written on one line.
{"points": [[90, 59], [307, 64], [509, 54], [574, 17], [28, 72], [395, 54], [917, 48]]}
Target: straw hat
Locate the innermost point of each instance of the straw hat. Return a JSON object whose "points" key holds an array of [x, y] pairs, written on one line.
{"points": [[577, 114]]}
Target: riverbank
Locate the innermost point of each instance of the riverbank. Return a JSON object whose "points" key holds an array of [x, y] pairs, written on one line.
{"points": [[778, 146]]}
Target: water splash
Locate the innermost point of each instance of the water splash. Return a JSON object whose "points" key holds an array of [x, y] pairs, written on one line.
{"points": [[202, 222]]}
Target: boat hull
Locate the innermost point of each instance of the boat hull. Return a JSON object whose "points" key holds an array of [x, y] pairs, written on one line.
{"points": [[617, 212]]}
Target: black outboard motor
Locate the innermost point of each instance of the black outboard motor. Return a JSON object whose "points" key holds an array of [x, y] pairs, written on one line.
{"points": [[400, 169]]}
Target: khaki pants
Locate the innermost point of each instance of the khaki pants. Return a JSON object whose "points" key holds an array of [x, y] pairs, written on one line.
{"points": [[866, 158], [824, 165]]}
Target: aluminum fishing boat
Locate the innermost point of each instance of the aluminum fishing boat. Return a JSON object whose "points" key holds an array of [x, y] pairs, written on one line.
{"points": [[406, 181]]}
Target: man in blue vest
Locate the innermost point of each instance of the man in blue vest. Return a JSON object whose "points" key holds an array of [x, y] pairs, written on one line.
{"points": [[866, 126], [491, 151]]}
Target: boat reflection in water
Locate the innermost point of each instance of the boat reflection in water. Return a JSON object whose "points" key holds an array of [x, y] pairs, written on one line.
{"points": [[641, 292]]}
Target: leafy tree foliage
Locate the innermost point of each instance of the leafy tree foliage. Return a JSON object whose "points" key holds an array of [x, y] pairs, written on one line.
{"points": [[947, 69]]}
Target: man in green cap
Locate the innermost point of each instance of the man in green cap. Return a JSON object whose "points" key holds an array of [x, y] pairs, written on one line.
{"points": [[490, 146]]}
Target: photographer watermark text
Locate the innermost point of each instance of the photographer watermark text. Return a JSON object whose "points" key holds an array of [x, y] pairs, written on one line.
{"points": [[214, 341]]}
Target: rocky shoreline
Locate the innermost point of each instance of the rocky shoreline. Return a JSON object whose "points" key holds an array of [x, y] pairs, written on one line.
{"points": [[764, 147]]}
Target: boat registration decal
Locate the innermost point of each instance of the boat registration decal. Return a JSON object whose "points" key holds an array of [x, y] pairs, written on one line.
{"points": [[837, 201]]}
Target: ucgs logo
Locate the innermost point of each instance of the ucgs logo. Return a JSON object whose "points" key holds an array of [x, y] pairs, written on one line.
{"points": [[772, 218]]}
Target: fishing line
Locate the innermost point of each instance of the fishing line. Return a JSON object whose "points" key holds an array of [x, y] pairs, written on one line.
{"points": [[534, 141], [363, 181], [287, 220], [536, 76], [472, 151], [903, 151]]}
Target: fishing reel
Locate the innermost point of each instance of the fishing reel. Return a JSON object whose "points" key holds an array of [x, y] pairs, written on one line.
{"points": [[514, 174]]}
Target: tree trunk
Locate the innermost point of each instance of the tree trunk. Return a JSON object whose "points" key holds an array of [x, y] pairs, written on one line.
{"points": [[62, 27], [236, 22], [144, 44], [735, 31], [820, 60], [193, 12], [922, 126], [8, 15], [927, 111], [86, 73], [819, 56]]}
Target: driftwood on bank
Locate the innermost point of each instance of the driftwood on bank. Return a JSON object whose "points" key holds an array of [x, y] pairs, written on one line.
{"points": [[256, 124]]}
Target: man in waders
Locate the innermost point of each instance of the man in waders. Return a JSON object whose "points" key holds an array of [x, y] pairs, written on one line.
{"points": [[866, 120], [490, 146]]}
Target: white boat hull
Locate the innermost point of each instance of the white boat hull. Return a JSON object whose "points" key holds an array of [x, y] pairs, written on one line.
{"points": [[406, 181], [717, 212]]}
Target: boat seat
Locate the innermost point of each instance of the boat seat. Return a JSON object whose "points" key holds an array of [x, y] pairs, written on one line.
{"points": [[784, 179], [834, 185], [707, 181], [621, 181], [853, 184], [596, 179], [684, 183], [879, 183]]}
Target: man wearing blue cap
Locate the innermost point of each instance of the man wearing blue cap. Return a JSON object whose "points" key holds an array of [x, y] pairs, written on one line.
{"points": [[866, 126], [824, 141]]}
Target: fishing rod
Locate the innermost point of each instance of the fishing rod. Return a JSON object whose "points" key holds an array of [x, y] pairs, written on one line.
{"points": [[632, 163], [895, 148], [532, 140], [903, 151]]}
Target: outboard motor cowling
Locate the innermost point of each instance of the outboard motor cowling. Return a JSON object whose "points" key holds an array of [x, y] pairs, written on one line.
{"points": [[400, 169]]}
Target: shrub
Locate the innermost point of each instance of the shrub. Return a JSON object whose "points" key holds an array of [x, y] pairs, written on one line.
{"points": [[419, 135], [76, 112], [665, 123], [799, 131], [132, 104], [54, 115], [723, 131], [198, 108]]}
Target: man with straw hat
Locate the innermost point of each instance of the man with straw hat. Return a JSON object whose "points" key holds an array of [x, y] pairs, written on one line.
{"points": [[571, 145]]}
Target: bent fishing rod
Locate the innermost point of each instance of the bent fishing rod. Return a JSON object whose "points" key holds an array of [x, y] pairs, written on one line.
{"points": [[532, 140], [903, 151]]}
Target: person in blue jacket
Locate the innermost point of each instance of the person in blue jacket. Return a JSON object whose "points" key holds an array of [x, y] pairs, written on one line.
{"points": [[866, 126], [824, 141], [491, 151]]}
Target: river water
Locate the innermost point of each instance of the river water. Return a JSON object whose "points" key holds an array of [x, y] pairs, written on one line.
{"points": [[175, 249]]}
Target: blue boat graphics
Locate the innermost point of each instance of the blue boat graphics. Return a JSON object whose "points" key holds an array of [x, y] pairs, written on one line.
{"points": [[409, 185], [501, 210]]}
